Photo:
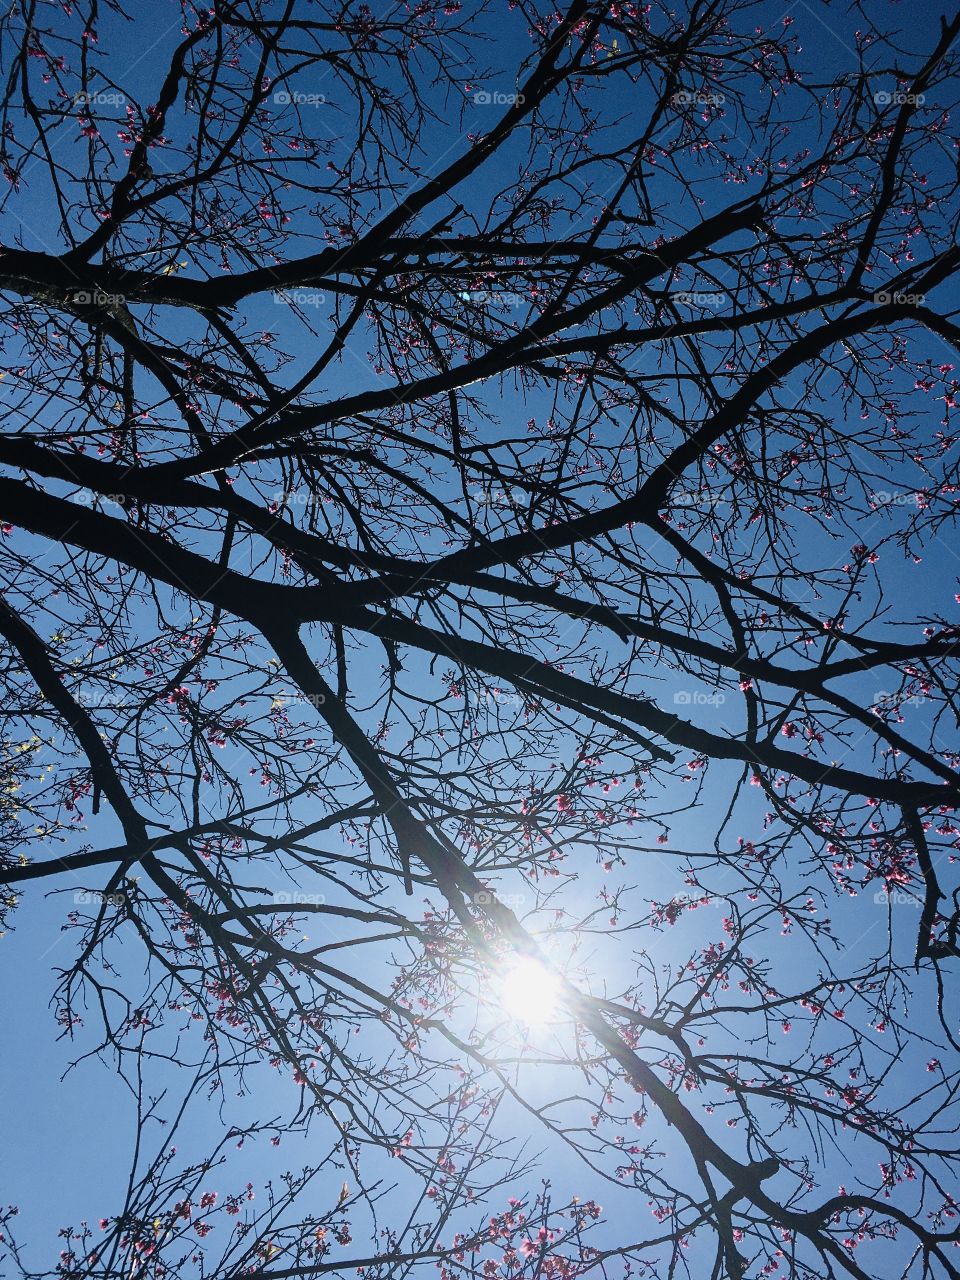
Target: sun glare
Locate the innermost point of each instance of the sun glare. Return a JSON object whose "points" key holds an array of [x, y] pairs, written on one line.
{"points": [[530, 992]]}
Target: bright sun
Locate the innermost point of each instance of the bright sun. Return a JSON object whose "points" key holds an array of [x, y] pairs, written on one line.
{"points": [[530, 992]]}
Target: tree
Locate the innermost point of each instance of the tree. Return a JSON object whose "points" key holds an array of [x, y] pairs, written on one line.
{"points": [[455, 455]]}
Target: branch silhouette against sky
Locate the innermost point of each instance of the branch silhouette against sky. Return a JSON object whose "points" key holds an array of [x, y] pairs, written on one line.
{"points": [[478, 630]]}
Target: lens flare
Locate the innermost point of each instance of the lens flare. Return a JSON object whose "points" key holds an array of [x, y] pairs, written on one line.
{"points": [[530, 993]]}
